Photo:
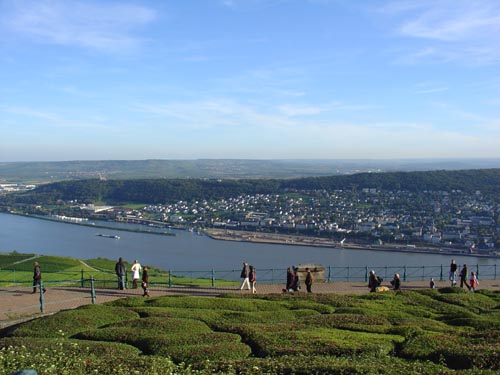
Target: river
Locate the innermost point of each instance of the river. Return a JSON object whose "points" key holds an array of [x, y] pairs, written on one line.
{"points": [[189, 251]]}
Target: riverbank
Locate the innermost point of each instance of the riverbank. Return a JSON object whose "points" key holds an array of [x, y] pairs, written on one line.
{"points": [[285, 239], [93, 225]]}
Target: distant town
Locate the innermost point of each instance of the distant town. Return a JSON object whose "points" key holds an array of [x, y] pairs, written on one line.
{"points": [[467, 222]]}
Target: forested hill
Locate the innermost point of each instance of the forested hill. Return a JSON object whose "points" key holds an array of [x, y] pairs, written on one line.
{"points": [[171, 190]]}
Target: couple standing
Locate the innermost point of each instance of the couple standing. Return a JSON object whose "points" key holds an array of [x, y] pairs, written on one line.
{"points": [[249, 277]]}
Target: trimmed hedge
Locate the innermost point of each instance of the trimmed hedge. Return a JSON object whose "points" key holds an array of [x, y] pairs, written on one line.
{"points": [[70, 322]]}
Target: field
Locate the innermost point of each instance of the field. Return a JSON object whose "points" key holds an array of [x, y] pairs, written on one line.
{"points": [[17, 269], [444, 331]]}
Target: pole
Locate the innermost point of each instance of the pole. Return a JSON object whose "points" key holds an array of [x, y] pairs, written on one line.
{"points": [[81, 281], [329, 273], [441, 274], [169, 278], [41, 297], [92, 289], [404, 272], [213, 279]]}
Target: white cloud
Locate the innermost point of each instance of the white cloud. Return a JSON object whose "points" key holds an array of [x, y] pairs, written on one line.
{"points": [[103, 26]]}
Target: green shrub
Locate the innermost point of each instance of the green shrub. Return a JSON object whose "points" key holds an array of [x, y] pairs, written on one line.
{"points": [[109, 349], [69, 322], [318, 365], [353, 322], [288, 339], [211, 303]]}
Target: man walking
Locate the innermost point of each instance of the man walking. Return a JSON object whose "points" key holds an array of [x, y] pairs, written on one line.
{"points": [[37, 278], [244, 276], [121, 271]]}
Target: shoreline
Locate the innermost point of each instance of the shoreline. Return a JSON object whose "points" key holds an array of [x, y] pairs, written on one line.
{"points": [[92, 225], [285, 239]]}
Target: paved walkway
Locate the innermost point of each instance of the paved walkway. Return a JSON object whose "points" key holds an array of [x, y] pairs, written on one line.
{"points": [[19, 304]]}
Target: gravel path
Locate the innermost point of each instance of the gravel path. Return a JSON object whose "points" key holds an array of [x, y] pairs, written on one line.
{"points": [[19, 304]]}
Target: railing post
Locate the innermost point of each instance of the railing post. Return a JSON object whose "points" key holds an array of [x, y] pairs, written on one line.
{"points": [[81, 280], [477, 271], [441, 274], [92, 289], [404, 272], [41, 297], [169, 278], [366, 274], [329, 273], [213, 278]]}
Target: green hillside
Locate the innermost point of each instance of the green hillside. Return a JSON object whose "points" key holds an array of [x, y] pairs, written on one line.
{"points": [[443, 331], [172, 190]]}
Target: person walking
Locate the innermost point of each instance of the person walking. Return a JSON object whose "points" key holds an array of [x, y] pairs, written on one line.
{"points": [[244, 276], [463, 277], [37, 278], [145, 282], [253, 278], [309, 280], [453, 273], [474, 282], [136, 273], [121, 272], [432, 283]]}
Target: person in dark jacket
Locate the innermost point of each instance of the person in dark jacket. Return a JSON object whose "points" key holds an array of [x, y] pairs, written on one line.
{"points": [[309, 280], [37, 278], [289, 280], [244, 276], [121, 272], [463, 277], [373, 281], [145, 282], [453, 272], [252, 275], [396, 282], [296, 280]]}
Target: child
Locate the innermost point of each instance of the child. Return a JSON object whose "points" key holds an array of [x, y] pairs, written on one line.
{"points": [[432, 284], [473, 281]]}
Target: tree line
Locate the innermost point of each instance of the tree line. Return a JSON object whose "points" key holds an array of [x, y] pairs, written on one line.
{"points": [[161, 191]]}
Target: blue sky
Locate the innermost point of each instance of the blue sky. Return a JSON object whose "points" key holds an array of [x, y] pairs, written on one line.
{"points": [[249, 79]]}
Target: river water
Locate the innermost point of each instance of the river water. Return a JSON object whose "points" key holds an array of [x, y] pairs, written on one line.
{"points": [[187, 251]]}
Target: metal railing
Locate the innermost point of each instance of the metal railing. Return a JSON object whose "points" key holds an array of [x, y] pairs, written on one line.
{"points": [[217, 278]]}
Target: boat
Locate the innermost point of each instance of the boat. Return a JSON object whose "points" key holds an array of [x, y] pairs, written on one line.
{"points": [[108, 236]]}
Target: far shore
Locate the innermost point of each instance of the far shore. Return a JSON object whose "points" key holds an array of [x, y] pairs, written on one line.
{"points": [[286, 239]]}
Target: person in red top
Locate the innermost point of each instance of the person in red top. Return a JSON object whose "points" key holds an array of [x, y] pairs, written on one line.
{"points": [[473, 281]]}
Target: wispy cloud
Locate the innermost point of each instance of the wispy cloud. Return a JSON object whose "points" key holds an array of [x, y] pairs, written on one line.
{"points": [[102, 26], [430, 88], [456, 30]]}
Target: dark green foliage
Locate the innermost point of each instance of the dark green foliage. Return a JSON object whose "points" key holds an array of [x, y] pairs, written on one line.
{"points": [[108, 349], [319, 365], [171, 190], [70, 322], [412, 332]]}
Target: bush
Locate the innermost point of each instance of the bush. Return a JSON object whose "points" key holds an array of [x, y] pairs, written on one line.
{"points": [[70, 322]]}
